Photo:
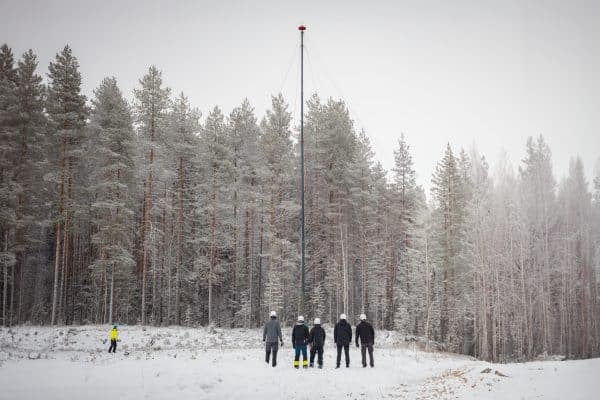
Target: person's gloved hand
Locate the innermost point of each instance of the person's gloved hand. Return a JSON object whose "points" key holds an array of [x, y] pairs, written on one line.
{"points": [[282, 343], [357, 345]]}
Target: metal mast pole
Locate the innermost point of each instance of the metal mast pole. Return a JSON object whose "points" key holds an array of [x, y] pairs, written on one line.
{"points": [[302, 28]]}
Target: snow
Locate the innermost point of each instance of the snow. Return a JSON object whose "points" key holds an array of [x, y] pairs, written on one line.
{"points": [[209, 363]]}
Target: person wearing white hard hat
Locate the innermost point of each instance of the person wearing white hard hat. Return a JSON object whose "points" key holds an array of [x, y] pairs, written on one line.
{"points": [[366, 334], [271, 333], [299, 340], [316, 339], [342, 336]]}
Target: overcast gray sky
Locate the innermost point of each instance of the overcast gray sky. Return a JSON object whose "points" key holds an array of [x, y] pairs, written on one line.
{"points": [[464, 72]]}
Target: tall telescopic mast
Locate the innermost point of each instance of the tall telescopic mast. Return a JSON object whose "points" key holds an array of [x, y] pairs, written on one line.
{"points": [[302, 28]]}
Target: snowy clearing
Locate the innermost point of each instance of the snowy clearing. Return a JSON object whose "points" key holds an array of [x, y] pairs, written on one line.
{"points": [[186, 363]]}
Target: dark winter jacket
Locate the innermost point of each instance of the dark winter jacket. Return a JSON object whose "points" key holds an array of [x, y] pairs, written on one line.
{"points": [[300, 335], [317, 336], [342, 333], [272, 331], [365, 332]]}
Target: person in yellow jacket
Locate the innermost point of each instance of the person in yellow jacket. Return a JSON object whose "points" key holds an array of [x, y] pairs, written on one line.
{"points": [[114, 337]]}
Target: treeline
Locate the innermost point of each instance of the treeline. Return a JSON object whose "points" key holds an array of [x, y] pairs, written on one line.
{"points": [[137, 212]]}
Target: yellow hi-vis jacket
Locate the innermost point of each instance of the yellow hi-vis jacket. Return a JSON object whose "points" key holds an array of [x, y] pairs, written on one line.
{"points": [[114, 334]]}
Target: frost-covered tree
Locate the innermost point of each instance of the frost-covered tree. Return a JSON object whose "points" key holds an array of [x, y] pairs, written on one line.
{"points": [[8, 149], [112, 208], [184, 126], [363, 203], [406, 210], [214, 235], [31, 190], [67, 112], [277, 253], [574, 285], [243, 136], [151, 108], [538, 201]]}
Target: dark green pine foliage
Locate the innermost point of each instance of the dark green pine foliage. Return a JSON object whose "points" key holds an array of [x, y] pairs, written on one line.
{"points": [[449, 239]]}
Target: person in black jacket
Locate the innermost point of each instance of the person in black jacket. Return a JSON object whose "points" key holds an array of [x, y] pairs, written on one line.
{"points": [[299, 340], [342, 336], [365, 332], [316, 339]]}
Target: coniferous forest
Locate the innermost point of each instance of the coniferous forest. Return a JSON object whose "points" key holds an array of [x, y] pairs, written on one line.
{"points": [[137, 208]]}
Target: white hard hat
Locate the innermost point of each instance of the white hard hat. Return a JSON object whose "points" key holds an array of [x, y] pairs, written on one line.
{"points": [[300, 318], [273, 314], [363, 317], [317, 321], [342, 316]]}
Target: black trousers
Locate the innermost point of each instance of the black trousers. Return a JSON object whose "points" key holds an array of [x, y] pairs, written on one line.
{"points": [[363, 351], [346, 352], [318, 350], [271, 347], [113, 346]]}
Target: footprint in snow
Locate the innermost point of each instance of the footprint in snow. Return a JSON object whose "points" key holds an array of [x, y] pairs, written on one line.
{"points": [[206, 387]]}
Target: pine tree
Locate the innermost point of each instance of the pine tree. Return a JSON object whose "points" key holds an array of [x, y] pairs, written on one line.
{"points": [[574, 286], [406, 211], [480, 233], [363, 203], [28, 172], [243, 135], [278, 254], [151, 111], [318, 251], [113, 154], [67, 111], [538, 201], [382, 258], [8, 149], [185, 126], [214, 237], [448, 236]]}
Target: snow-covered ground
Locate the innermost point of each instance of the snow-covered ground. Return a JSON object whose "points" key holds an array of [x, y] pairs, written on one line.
{"points": [[186, 363]]}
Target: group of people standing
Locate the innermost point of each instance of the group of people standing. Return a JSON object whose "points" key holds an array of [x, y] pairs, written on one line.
{"points": [[315, 338]]}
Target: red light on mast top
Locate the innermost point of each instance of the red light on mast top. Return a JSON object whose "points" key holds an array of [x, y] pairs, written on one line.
{"points": [[301, 28]]}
